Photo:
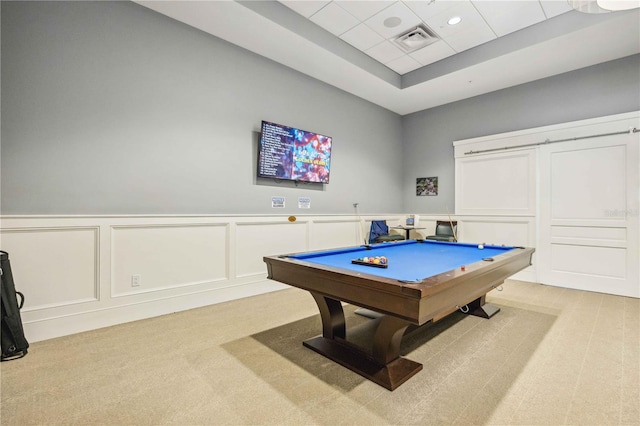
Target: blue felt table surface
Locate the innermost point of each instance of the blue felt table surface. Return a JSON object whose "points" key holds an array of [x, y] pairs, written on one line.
{"points": [[407, 260]]}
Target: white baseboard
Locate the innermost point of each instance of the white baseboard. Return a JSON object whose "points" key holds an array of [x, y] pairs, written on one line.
{"points": [[90, 320]]}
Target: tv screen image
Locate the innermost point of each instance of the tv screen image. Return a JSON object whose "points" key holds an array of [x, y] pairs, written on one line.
{"points": [[293, 154]]}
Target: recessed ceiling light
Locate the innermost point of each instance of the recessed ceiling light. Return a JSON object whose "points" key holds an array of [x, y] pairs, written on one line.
{"points": [[392, 22], [454, 21]]}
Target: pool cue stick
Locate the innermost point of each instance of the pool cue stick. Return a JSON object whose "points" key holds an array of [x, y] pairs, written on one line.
{"points": [[360, 226], [455, 237]]}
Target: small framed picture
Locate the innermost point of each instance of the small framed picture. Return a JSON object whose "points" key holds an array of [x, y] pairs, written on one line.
{"points": [[427, 186]]}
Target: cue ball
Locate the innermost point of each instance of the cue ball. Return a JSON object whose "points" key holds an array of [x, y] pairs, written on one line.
{"points": [[480, 246]]}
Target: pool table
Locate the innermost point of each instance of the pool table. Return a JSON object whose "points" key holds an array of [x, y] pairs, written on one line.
{"points": [[422, 281]]}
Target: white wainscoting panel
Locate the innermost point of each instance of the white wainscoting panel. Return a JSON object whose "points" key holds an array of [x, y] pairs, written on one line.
{"points": [[258, 239], [497, 184], [588, 181], [53, 267], [582, 263], [604, 234], [328, 234], [509, 231], [167, 256]]}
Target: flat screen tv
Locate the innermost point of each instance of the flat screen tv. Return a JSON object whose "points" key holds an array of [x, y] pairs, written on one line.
{"points": [[293, 154]]}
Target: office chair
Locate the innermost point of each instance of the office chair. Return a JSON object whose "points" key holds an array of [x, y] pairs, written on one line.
{"points": [[379, 233], [444, 231]]}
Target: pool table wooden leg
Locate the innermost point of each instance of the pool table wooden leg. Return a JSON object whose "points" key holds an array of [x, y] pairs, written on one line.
{"points": [[387, 338], [332, 314], [481, 309], [381, 363]]}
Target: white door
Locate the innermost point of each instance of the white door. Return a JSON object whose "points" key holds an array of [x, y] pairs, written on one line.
{"points": [[589, 205]]}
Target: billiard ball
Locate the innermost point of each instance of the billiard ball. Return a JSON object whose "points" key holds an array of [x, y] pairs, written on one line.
{"points": [[480, 246]]}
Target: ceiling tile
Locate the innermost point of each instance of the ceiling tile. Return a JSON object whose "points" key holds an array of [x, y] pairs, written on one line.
{"points": [[507, 17], [363, 9], [475, 36], [362, 37], [305, 8], [408, 19], [385, 52], [465, 10], [404, 64], [433, 53], [429, 9], [489, 8], [554, 8], [334, 19]]}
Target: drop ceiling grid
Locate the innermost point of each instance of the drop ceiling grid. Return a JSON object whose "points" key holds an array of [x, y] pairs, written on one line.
{"points": [[361, 24]]}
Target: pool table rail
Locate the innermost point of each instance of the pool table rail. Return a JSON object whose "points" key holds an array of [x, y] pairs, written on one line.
{"points": [[417, 303]]}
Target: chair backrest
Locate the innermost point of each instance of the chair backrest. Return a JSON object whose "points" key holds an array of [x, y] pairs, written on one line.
{"points": [[378, 228], [443, 228]]}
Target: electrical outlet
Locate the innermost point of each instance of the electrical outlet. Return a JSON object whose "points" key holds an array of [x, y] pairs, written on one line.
{"points": [[136, 280]]}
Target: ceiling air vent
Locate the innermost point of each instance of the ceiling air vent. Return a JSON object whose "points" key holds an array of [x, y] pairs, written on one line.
{"points": [[415, 39]]}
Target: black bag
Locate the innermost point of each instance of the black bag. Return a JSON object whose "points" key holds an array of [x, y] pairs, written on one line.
{"points": [[14, 344]]}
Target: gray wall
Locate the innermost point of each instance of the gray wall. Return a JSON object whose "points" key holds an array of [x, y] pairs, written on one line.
{"points": [[600, 90], [110, 108]]}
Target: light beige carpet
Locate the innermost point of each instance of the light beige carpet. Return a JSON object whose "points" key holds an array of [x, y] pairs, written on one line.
{"points": [[551, 356]]}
